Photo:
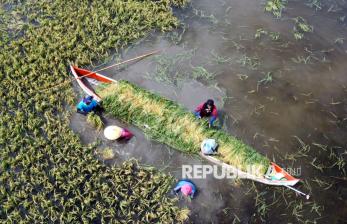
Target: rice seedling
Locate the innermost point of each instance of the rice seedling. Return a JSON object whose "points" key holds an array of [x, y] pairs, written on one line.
{"points": [[171, 69], [316, 208], [323, 147], [219, 59], [316, 4], [275, 7], [319, 167], [298, 210], [95, 120], [302, 59], [242, 76], [169, 123], [339, 40], [202, 14], [236, 219], [301, 27], [274, 36], [259, 33], [321, 183], [106, 153], [267, 79], [250, 62], [340, 161], [201, 73], [183, 215], [342, 19]]}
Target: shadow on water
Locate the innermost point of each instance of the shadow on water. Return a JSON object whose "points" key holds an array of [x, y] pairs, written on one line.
{"points": [[278, 96]]}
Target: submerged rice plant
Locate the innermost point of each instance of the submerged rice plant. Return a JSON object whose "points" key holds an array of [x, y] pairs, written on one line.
{"points": [[95, 120], [301, 27], [106, 153], [170, 123], [275, 7]]}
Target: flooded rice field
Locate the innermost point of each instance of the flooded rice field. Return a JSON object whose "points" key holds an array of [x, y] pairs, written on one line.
{"points": [[285, 97]]}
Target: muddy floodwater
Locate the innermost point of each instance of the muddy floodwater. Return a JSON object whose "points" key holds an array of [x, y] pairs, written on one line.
{"points": [[284, 97]]}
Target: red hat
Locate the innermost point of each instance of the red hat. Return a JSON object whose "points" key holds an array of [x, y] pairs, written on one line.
{"points": [[186, 189]]}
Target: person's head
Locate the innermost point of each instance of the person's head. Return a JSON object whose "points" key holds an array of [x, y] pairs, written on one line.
{"points": [[88, 99], [186, 190], [209, 104]]}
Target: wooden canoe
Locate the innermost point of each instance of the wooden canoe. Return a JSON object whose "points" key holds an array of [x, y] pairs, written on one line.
{"points": [[85, 78], [287, 179]]}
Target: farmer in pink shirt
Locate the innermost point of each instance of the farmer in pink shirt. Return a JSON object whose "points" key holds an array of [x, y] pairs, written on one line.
{"points": [[207, 109], [186, 187]]}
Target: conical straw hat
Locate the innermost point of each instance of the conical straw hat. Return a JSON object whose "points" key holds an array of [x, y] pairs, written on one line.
{"points": [[112, 132]]}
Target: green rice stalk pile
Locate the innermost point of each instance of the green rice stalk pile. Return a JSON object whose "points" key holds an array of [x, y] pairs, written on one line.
{"points": [[46, 174], [167, 122]]}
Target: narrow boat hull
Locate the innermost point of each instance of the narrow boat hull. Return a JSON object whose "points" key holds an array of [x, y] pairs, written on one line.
{"points": [[243, 175], [82, 74]]}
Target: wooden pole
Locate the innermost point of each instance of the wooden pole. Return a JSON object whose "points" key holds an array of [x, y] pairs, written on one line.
{"points": [[299, 192], [126, 61], [117, 64]]}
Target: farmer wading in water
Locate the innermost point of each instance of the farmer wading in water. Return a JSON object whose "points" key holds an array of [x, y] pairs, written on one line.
{"points": [[207, 109], [88, 104]]}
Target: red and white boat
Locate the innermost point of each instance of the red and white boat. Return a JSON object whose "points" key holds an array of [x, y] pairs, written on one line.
{"points": [[85, 78]]}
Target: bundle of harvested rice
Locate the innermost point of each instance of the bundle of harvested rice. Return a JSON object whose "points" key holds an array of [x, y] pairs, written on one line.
{"points": [[165, 121]]}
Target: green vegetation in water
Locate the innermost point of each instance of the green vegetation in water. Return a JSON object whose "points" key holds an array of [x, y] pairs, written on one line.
{"points": [[95, 121], [166, 121], [174, 70], [251, 63], [46, 174], [302, 59], [106, 153], [202, 14], [301, 27], [275, 7], [200, 72], [266, 80], [339, 40], [316, 4], [261, 32], [217, 59]]}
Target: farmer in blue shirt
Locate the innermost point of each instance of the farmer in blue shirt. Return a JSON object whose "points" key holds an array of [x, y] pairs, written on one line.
{"points": [[87, 105]]}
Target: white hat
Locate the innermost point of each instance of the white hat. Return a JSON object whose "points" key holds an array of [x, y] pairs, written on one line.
{"points": [[113, 132]]}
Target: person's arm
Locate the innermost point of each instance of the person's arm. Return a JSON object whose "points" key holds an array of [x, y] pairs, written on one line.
{"points": [[177, 188], [193, 191], [198, 110], [80, 108], [199, 107], [214, 116], [197, 114], [179, 185]]}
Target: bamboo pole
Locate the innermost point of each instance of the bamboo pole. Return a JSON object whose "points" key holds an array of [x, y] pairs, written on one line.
{"points": [[117, 64], [299, 192]]}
